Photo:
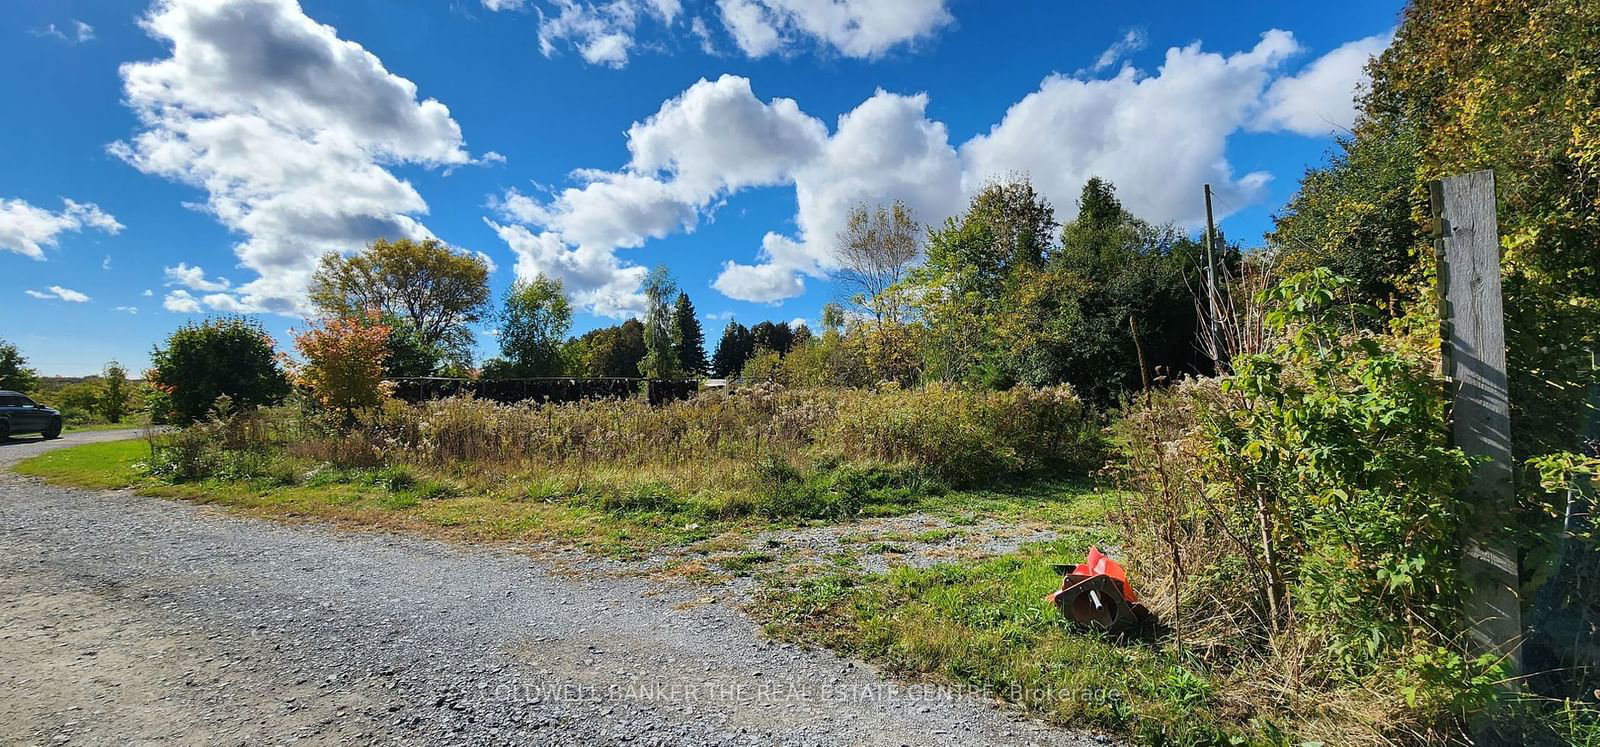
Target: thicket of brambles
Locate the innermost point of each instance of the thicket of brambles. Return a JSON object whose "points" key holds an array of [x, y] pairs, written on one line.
{"points": [[1294, 510]]}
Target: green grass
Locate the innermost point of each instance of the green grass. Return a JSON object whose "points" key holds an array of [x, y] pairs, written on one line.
{"points": [[107, 465], [393, 498], [1057, 501], [985, 624], [620, 514]]}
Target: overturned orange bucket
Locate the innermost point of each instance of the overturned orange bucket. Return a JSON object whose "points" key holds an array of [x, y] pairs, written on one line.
{"points": [[1095, 594]]}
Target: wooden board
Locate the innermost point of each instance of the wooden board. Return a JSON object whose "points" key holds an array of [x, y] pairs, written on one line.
{"points": [[1468, 241]]}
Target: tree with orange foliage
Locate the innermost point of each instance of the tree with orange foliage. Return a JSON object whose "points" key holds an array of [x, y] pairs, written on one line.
{"points": [[344, 362]]}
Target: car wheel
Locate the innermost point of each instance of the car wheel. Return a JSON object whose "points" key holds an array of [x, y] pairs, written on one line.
{"points": [[53, 430], [5, 431]]}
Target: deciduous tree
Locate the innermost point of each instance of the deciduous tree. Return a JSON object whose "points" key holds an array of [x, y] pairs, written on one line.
{"points": [[14, 372], [533, 325], [113, 403], [344, 362], [874, 251], [660, 359], [437, 290], [611, 351]]}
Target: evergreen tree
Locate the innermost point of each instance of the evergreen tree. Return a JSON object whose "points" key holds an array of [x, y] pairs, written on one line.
{"points": [[732, 351], [775, 337], [688, 338]]}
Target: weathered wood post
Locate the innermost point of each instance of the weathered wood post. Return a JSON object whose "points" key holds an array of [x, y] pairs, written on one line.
{"points": [[1467, 242]]}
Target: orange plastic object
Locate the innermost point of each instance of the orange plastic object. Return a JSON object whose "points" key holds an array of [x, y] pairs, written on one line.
{"points": [[1098, 564]]}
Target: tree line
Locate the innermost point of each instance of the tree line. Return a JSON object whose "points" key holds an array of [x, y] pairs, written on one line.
{"points": [[999, 296], [109, 397]]}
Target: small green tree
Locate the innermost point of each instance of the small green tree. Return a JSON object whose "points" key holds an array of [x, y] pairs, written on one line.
{"points": [[1334, 449], [833, 319], [688, 338], [533, 326], [79, 401], [660, 360], [14, 372], [114, 396], [202, 361]]}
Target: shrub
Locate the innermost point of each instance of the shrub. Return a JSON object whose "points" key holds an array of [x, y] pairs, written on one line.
{"points": [[230, 356], [1311, 499], [964, 435]]}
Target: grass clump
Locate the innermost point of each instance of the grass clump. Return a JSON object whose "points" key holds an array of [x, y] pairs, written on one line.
{"points": [[984, 624]]}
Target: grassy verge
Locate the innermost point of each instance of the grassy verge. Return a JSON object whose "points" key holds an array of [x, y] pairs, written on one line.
{"points": [[610, 513], [106, 466], [979, 623], [984, 624]]}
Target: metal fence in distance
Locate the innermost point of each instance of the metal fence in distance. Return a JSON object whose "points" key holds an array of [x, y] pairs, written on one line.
{"points": [[551, 389]]}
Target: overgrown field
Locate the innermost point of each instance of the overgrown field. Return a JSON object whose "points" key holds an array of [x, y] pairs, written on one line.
{"points": [[718, 486], [621, 477]]}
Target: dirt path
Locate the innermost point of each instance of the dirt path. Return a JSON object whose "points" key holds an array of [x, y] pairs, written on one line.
{"points": [[129, 619]]}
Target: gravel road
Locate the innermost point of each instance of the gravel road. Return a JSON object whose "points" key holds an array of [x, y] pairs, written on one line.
{"points": [[126, 619]]}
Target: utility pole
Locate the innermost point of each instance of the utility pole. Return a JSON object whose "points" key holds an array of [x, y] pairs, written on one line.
{"points": [[1211, 287]]}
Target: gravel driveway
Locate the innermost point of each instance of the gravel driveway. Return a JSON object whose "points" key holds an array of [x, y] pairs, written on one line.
{"points": [[126, 619]]}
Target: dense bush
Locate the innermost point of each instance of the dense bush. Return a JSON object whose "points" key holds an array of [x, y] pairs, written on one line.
{"points": [[780, 453], [804, 453], [229, 356], [1303, 514]]}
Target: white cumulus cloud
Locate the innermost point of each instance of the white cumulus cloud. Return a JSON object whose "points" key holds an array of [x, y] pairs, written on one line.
{"points": [[289, 129], [885, 149], [194, 278], [713, 139], [1157, 135], [853, 28], [181, 301], [27, 229], [1322, 98]]}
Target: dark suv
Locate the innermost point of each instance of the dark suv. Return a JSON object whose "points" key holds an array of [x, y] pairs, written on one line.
{"points": [[18, 414]]}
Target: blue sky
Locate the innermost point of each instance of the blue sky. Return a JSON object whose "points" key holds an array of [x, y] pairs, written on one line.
{"points": [[167, 161]]}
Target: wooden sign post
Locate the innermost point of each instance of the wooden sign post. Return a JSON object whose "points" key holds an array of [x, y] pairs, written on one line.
{"points": [[1467, 241]]}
